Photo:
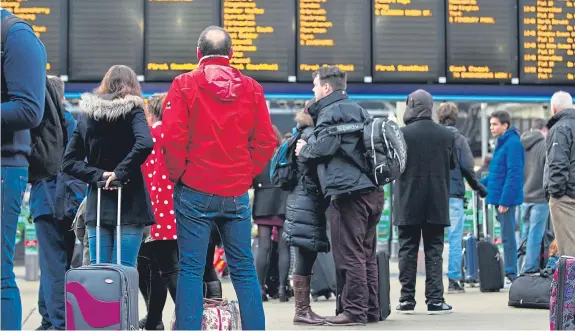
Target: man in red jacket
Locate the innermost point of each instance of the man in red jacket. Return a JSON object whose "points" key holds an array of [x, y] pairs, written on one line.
{"points": [[218, 137]]}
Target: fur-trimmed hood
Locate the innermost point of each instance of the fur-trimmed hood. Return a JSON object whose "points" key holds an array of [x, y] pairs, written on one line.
{"points": [[100, 108], [303, 119]]}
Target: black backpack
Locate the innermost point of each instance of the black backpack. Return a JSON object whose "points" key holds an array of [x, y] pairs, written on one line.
{"points": [[48, 140], [386, 150], [283, 168]]}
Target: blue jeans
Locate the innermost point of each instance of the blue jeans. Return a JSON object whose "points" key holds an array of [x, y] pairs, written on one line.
{"points": [[55, 239], [131, 241], [456, 217], [42, 307], [533, 231], [196, 214], [507, 221], [13, 186]]}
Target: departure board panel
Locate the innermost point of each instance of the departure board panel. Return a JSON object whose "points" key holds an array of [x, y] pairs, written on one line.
{"points": [[104, 33], [48, 19], [334, 32], [408, 40], [263, 36], [481, 41], [172, 32], [547, 41]]}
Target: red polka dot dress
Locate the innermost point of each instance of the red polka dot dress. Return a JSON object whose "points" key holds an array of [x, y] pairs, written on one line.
{"points": [[161, 189]]}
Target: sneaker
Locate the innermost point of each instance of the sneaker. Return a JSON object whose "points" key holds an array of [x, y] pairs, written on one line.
{"points": [[455, 287], [438, 308], [406, 308], [507, 283]]}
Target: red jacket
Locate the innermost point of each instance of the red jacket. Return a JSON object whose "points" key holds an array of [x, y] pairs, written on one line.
{"points": [[217, 127], [161, 189]]}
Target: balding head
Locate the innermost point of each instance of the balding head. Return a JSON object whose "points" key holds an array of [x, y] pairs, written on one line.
{"points": [[214, 41], [561, 100]]}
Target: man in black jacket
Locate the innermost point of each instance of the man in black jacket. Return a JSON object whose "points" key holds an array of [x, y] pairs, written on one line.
{"points": [[357, 202], [559, 177], [423, 191], [448, 114]]}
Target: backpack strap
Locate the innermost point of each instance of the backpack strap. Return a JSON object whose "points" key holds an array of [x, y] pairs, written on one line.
{"points": [[345, 128], [7, 23]]}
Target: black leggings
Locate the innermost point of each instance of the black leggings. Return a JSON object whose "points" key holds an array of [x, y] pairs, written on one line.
{"points": [[264, 253], [304, 261]]}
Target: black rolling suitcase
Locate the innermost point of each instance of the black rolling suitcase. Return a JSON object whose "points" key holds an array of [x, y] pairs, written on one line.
{"points": [[384, 287], [490, 260], [323, 279]]}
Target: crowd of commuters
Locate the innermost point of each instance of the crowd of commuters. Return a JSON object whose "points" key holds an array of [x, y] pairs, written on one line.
{"points": [[187, 159]]}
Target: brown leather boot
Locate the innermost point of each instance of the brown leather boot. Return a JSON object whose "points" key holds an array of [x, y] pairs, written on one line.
{"points": [[303, 312]]}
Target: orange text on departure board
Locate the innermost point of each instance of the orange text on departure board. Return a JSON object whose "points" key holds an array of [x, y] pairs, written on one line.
{"points": [[313, 28], [549, 39], [240, 20], [29, 14], [468, 12], [400, 8]]}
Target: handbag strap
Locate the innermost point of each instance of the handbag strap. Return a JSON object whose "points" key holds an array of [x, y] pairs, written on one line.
{"points": [[214, 303]]}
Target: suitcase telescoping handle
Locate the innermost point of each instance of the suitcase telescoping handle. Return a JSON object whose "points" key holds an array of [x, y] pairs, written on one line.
{"points": [[475, 230], [118, 185]]}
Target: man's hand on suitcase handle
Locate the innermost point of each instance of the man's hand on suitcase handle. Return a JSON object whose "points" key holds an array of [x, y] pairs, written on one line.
{"points": [[110, 181]]}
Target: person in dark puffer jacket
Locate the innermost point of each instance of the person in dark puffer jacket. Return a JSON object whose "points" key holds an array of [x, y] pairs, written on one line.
{"points": [[305, 226]]}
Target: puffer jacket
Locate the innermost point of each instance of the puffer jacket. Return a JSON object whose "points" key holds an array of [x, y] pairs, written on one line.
{"points": [[342, 167], [559, 176], [305, 224], [505, 179]]}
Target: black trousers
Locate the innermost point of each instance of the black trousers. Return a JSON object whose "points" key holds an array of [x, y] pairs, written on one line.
{"points": [[353, 221], [409, 236]]}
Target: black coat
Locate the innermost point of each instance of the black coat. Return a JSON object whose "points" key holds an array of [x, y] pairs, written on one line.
{"points": [[423, 188], [464, 169], [268, 199], [559, 176], [112, 135], [305, 224], [342, 165]]}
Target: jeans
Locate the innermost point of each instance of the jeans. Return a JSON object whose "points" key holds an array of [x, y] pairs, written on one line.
{"points": [[45, 324], [507, 221], [533, 231], [196, 214], [13, 186], [131, 240], [456, 217], [56, 244]]}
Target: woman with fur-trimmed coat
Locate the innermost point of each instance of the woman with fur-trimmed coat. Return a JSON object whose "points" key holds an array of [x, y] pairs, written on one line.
{"points": [[305, 226], [111, 141]]}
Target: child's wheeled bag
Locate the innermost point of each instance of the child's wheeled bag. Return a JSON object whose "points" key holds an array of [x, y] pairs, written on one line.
{"points": [[531, 291], [103, 296]]}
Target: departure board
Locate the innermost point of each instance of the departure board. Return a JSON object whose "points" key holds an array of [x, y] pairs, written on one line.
{"points": [[481, 41], [547, 41], [48, 19], [104, 33], [408, 40], [334, 32], [263, 36], [172, 32]]}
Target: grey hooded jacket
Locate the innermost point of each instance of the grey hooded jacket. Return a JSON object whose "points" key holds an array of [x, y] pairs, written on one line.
{"points": [[534, 145]]}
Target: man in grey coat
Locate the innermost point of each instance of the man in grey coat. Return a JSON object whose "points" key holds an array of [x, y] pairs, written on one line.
{"points": [[535, 207]]}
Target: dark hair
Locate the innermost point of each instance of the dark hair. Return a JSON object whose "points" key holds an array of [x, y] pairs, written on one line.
{"points": [[503, 117], [538, 124], [155, 103], [209, 47], [447, 113], [333, 76], [279, 135], [58, 85], [119, 81]]}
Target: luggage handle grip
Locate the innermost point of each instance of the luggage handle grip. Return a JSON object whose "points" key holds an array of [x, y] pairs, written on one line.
{"points": [[114, 183], [118, 221]]}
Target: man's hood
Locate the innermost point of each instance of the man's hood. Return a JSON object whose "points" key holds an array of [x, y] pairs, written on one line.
{"points": [[103, 107], [531, 138], [419, 106], [303, 119], [219, 80], [564, 114]]}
